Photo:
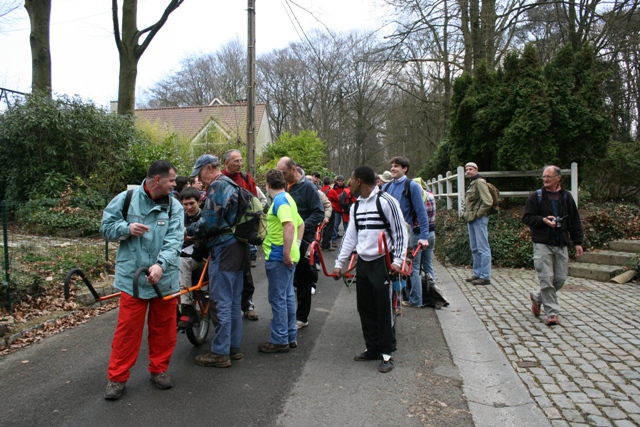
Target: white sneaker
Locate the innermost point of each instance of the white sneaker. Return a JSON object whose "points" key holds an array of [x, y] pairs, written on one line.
{"points": [[313, 290], [300, 324]]}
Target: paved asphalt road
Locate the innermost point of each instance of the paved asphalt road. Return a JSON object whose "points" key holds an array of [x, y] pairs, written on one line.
{"points": [[60, 381]]}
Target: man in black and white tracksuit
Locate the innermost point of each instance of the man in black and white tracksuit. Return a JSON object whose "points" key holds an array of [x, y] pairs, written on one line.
{"points": [[374, 285]]}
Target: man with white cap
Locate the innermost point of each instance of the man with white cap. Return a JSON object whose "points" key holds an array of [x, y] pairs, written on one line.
{"points": [[478, 202], [227, 261]]}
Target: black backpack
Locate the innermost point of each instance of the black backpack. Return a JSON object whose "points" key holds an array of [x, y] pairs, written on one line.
{"points": [[345, 201]]}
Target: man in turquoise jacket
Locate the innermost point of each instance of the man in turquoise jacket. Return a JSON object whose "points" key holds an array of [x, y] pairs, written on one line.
{"points": [[150, 233]]}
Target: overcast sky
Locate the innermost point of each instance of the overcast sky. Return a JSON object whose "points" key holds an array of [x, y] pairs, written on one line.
{"points": [[84, 55]]}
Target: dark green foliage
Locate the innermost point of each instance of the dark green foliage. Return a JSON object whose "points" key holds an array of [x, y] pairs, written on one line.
{"points": [[615, 175], [439, 162], [526, 134], [46, 144], [522, 117], [509, 239], [610, 221], [580, 124]]}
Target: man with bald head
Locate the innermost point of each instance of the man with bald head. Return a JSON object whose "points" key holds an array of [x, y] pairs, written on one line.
{"points": [[305, 194], [552, 216]]}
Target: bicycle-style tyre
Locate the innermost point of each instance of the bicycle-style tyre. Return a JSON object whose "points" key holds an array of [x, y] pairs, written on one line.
{"points": [[396, 300], [197, 335]]}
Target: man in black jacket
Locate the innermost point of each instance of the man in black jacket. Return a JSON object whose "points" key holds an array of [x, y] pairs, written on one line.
{"points": [[553, 218]]}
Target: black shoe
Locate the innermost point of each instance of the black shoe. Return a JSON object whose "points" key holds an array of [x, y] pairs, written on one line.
{"points": [[481, 282], [367, 355], [293, 344], [162, 380], [471, 279], [114, 390], [386, 366]]}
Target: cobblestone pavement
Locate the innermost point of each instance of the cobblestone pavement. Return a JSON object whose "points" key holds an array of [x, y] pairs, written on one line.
{"points": [[583, 372]]}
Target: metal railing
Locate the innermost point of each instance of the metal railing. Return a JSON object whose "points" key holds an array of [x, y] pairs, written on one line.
{"points": [[443, 186]]}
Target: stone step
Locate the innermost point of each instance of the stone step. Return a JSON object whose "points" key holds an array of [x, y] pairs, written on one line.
{"points": [[625, 245], [607, 257], [600, 272]]}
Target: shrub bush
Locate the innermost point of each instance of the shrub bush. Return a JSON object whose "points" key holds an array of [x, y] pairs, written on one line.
{"points": [[510, 239]]}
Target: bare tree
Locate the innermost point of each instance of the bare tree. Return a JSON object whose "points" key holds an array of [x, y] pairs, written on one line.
{"points": [[203, 77], [130, 49], [40, 18], [6, 8]]}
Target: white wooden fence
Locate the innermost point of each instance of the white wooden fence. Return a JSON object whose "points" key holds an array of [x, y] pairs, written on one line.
{"points": [[444, 186]]}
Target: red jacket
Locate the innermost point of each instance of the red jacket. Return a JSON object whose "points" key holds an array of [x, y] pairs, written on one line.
{"points": [[243, 180], [334, 196]]}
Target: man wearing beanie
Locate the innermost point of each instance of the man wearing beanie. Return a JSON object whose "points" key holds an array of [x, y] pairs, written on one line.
{"points": [[477, 203]]}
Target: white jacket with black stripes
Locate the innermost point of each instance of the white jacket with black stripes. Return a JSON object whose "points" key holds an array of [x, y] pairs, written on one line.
{"points": [[369, 224]]}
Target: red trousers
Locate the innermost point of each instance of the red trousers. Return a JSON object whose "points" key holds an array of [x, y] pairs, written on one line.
{"points": [[125, 346]]}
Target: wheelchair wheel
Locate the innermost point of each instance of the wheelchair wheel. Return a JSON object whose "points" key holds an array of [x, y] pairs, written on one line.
{"points": [[197, 335]]}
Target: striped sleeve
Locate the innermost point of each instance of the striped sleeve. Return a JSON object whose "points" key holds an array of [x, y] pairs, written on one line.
{"points": [[399, 235]]}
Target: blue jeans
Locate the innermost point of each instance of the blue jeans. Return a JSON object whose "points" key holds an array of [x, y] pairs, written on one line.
{"points": [[480, 250], [283, 302], [427, 257], [225, 291], [337, 219], [415, 295]]}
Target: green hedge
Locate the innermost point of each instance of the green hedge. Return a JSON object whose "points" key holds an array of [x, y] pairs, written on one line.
{"points": [[510, 239]]}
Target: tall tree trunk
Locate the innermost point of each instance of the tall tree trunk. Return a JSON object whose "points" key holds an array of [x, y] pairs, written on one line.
{"points": [[465, 26], [488, 25], [40, 17], [130, 50]]}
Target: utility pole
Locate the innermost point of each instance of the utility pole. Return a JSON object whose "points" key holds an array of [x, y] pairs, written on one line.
{"points": [[251, 88], [340, 133]]}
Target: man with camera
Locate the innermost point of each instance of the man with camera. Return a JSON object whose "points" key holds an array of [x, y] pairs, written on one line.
{"points": [[553, 218]]}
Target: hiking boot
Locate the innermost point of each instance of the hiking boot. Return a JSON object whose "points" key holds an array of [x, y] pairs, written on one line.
{"points": [[114, 390], [189, 317], [481, 282], [367, 355], [553, 319], [535, 307], [270, 347], [386, 366], [251, 314], [300, 324], [162, 380], [408, 304], [213, 360], [471, 279], [235, 354]]}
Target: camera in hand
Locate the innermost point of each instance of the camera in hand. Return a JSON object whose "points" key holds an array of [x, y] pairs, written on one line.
{"points": [[558, 221]]}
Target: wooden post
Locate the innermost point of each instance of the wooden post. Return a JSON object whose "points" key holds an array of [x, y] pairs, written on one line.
{"points": [[574, 182], [460, 189]]}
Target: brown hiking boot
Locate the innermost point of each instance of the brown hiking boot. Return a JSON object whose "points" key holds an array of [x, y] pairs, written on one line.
{"points": [[235, 354], [114, 390], [162, 380], [213, 360], [270, 347]]}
